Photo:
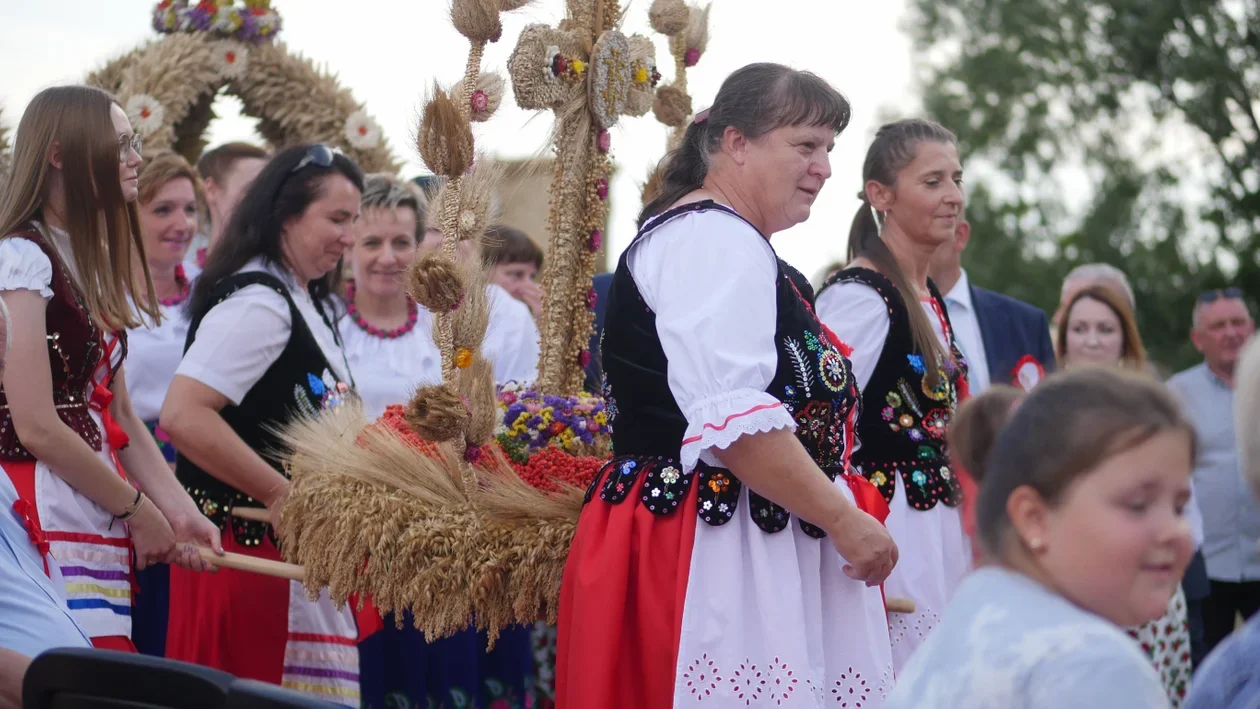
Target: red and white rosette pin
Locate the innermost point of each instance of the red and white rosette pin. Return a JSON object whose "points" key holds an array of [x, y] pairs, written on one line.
{"points": [[1028, 372]]}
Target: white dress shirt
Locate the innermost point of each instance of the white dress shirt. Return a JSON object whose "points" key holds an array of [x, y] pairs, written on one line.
{"points": [[962, 316]]}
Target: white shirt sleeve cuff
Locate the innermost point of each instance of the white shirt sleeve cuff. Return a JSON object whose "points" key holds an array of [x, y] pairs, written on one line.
{"points": [[24, 267], [716, 422]]}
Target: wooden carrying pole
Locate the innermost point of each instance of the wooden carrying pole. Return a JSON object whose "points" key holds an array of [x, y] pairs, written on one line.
{"points": [[252, 564], [297, 573]]}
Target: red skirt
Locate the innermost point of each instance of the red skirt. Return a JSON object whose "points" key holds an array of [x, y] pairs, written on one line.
{"points": [[234, 621], [621, 604], [263, 628]]}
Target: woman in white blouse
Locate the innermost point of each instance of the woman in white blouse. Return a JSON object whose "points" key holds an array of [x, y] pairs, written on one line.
{"points": [[726, 555], [387, 337], [906, 361], [262, 349], [389, 344], [70, 440], [170, 203]]}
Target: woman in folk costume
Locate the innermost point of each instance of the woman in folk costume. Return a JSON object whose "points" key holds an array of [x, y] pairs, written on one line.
{"points": [[725, 555], [170, 205], [69, 437], [262, 347], [906, 361], [389, 342]]}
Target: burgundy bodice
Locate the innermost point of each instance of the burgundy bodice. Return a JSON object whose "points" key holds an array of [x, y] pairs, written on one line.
{"points": [[76, 348]]}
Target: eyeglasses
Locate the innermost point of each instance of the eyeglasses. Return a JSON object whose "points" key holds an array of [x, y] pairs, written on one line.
{"points": [[318, 154], [127, 144], [1216, 294]]}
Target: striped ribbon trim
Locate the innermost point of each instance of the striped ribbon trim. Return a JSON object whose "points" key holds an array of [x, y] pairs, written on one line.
{"points": [[88, 604], [75, 589], [319, 689], [95, 573]]}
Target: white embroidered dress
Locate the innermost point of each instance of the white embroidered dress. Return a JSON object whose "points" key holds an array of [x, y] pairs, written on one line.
{"points": [[935, 552], [770, 620]]}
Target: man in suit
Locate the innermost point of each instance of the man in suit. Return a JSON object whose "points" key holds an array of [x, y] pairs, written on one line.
{"points": [[997, 334]]}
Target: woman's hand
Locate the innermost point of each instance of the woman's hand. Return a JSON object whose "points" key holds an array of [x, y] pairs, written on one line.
{"points": [[151, 535], [192, 529], [865, 544]]}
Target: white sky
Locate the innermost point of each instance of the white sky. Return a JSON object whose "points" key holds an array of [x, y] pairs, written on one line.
{"points": [[387, 51]]}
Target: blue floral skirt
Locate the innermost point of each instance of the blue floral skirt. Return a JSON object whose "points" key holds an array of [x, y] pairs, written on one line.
{"points": [[398, 669]]}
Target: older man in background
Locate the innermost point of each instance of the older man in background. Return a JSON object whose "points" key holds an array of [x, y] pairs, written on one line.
{"points": [[1230, 678], [1221, 327]]}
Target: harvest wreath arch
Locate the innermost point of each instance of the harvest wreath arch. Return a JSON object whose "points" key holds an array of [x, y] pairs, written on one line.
{"points": [[168, 86]]}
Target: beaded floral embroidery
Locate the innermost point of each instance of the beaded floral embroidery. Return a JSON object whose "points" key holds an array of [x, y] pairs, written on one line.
{"points": [[330, 393]]}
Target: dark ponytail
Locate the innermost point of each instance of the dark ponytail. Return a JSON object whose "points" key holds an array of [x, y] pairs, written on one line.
{"points": [[754, 100], [895, 147], [682, 171]]}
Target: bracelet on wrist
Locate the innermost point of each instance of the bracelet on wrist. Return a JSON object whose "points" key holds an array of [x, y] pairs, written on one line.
{"points": [[131, 509]]}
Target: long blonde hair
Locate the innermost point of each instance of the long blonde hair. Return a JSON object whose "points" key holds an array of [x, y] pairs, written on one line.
{"points": [[104, 230]]}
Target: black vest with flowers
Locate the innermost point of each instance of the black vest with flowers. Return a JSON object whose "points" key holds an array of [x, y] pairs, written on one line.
{"points": [[904, 419], [298, 383], [813, 380]]}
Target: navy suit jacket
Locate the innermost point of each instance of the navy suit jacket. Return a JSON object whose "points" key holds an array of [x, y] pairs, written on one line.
{"points": [[1011, 329], [600, 283]]}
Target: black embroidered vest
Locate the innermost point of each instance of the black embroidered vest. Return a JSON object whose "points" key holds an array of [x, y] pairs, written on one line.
{"points": [[904, 419], [75, 350], [298, 382], [812, 380]]}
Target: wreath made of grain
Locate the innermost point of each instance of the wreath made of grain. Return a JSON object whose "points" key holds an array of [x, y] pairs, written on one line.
{"points": [[168, 87]]}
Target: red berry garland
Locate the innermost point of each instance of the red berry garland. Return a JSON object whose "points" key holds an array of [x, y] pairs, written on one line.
{"points": [[545, 468], [550, 465]]}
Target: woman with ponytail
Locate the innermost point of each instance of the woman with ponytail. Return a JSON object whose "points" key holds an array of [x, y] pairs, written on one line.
{"points": [[725, 554], [906, 361]]}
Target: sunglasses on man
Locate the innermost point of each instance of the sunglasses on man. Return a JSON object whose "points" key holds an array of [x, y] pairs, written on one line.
{"points": [[1216, 294]]}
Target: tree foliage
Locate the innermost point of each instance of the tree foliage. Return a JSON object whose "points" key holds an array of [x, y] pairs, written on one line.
{"points": [[1122, 131]]}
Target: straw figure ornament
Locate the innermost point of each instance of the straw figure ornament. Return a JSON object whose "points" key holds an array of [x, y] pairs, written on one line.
{"points": [[687, 27], [422, 510], [589, 74], [168, 86]]}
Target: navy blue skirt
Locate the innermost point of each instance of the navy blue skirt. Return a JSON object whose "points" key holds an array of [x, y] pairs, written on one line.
{"points": [[398, 669]]}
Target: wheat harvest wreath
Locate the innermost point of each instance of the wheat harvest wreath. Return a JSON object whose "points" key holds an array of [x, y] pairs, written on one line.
{"points": [[168, 86]]}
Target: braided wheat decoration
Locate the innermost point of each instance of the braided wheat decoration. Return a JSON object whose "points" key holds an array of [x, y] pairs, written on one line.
{"points": [[687, 27], [589, 74], [168, 87]]}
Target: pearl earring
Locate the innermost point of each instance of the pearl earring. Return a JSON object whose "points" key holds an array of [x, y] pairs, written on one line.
{"points": [[1036, 544]]}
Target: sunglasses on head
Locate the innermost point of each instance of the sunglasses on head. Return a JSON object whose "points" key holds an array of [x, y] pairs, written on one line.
{"points": [[1217, 293], [319, 155]]}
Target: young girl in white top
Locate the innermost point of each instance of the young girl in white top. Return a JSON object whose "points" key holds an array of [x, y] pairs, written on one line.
{"points": [[70, 441], [1081, 517]]}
